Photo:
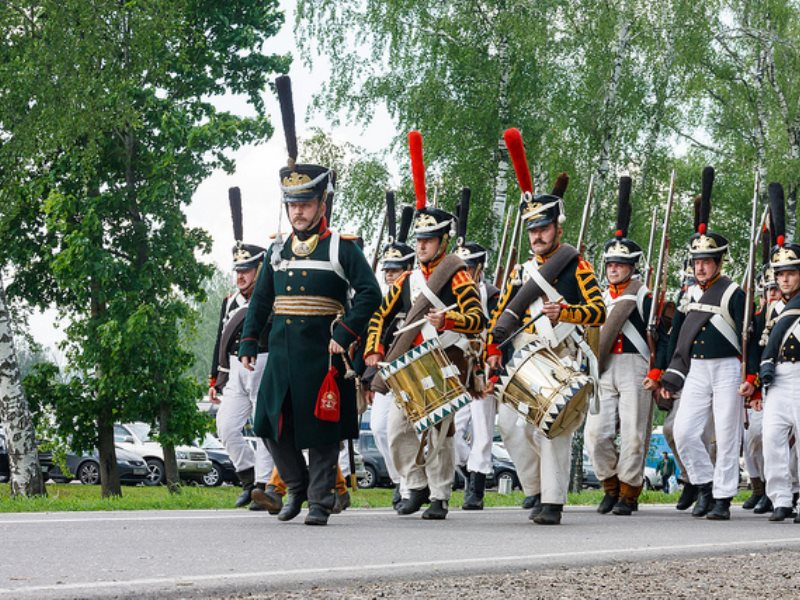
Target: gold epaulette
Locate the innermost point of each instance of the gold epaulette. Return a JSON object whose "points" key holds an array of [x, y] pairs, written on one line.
{"points": [[349, 236], [272, 236]]}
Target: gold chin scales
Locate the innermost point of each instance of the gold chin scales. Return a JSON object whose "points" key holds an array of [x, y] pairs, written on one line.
{"points": [[304, 247]]}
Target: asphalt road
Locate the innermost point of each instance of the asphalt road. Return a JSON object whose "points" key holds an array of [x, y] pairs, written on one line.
{"points": [[193, 554]]}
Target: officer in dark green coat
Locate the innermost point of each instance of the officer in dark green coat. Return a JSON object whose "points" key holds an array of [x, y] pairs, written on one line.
{"points": [[321, 292]]}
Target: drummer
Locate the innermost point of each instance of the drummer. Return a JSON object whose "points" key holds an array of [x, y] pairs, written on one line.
{"points": [[444, 277], [573, 298]]}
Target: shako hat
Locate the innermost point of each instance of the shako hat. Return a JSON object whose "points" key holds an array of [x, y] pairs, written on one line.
{"points": [[429, 221], [620, 249], [705, 243]]}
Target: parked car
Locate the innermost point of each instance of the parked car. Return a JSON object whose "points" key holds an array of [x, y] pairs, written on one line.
{"points": [[222, 469], [375, 471], [652, 481], [590, 479], [193, 462], [502, 468], [86, 468]]}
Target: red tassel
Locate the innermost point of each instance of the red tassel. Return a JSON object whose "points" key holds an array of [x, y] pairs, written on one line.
{"points": [[781, 239], [701, 229], [417, 167], [516, 150], [328, 399]]}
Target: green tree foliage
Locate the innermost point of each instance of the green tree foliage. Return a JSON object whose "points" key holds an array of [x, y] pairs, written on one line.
{"points": [[107, 130]]}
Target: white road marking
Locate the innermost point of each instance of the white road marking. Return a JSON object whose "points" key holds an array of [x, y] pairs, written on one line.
{"points": [[186, 580]]}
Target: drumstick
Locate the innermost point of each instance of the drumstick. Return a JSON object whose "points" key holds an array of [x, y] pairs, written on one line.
{"points": [[527, 324], [421, 321]]}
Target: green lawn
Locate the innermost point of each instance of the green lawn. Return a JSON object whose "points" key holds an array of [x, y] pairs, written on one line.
{"points": [[66, 497]]}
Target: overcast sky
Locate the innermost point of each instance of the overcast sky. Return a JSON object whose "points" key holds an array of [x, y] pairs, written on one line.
{"points": [[256, 166]]}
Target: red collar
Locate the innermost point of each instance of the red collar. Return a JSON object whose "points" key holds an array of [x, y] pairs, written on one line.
{"points": [[428, 268], [617, 290]]}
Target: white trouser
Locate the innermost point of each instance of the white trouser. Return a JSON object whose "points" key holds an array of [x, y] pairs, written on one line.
{"points": [[238, 402], [474, 435], [344, 459], [518, 440], [379, 425], [669, 436], [781, 418], [625, 408], [711, 390], [753, 447], [439, 471], [543, 465]]}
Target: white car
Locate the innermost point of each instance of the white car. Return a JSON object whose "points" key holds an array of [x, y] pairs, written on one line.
{"points": [[193, 462]]}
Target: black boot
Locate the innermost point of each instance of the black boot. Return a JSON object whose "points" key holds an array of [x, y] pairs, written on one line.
{"points": [[536, 506], [764, 506], [437, 511], [247, 478], [721, 510], [705, 499], [758, 493], [317, 515], [628, 499], [688, 496], [414, 501], [294, 502], [342, 502], [266, 498], [781, 513], [550, 515], [396, 497], [473, 500], [530, 501]]}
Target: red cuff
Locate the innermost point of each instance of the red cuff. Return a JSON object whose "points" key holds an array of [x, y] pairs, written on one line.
{"points": [[493, 350], [212, 381], [448, 324], [751, 379], [655, 374]]}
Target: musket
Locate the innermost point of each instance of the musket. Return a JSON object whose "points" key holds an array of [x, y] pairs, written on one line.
{"points": [[511, 259], [587, 209], [660, 281], [376, 254], [499, 271], [648, 265], [755, 231]]}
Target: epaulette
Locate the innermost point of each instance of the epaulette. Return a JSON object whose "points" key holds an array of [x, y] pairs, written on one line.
{"points": [[349, 236], [273, 236], [584, 265]]}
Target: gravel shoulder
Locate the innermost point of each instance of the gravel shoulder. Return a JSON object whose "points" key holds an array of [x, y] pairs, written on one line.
{"points": [[751, 575]]}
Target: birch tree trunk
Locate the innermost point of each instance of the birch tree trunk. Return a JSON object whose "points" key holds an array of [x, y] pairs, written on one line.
{"points": [[501, 181], [26, 474], [609, 100], [172, 478]]}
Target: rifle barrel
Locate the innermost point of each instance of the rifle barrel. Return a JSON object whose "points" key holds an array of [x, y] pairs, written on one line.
{"points": [[585, 218]]}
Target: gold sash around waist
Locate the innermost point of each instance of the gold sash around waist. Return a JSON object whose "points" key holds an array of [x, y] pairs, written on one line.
{"points": [[307, 306]]}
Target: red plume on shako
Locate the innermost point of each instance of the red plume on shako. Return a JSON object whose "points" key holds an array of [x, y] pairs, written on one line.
{"points": [[540, 209], [429, 221]]}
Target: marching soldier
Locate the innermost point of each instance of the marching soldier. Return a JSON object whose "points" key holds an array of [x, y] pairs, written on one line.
{"points": [[441, 289], [559, 288], [476, 420], [237, 387], [397, 258], [320, 291], [625, 405], [705, 368], [753, 450], [779, 369]]}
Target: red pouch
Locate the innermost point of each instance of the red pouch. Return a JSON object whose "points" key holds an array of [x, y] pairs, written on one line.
{"points": [[328, 404]]}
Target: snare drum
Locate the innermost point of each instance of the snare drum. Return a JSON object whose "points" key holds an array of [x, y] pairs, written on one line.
{"points": [[426, 385], [549, 392]]}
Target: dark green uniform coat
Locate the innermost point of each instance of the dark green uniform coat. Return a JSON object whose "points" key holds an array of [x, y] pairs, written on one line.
{"points": [[298, 345]]}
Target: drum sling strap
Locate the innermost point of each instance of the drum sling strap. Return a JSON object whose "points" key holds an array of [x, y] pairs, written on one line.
{"points": [[509, 320], [675, 375]]}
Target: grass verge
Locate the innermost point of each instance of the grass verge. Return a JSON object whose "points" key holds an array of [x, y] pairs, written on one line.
{"points": [[74, 497]]}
